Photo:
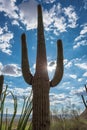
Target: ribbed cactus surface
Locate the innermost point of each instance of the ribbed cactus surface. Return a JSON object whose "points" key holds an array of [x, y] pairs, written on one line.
{"points": [[40, 81]]}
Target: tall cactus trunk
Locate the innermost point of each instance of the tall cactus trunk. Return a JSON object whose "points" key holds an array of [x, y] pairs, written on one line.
{"points": [[40, 84], [41, 61], [40, 81], [41, 119]]}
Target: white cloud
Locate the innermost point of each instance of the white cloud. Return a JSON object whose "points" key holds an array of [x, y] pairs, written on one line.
{"points": [[9, 8], [73, 76], [51, 66], [65, 83], [1, 30], [84, 30], [60, 19], [75, 69], [56, 19], [5, 40], [80, 91], [81, 65], [28, 14], [72, 16], [48, 18], [48, 1], [10, 70], [81, 43], [15, 22], [80, 79], [20, 92], [85, 74], [53, 18], [81, 40], [67, 63], [60, 24], [56, 99]]}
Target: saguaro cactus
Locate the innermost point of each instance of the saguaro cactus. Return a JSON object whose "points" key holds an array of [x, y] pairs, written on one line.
{"points": [[40, 81]]}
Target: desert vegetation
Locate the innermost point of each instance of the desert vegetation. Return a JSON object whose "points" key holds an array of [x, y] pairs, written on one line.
{"points": [[24, 122], [12, 123], [75, 121]]}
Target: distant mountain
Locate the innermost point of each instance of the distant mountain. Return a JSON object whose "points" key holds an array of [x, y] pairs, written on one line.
{"points": [[10, 116]]}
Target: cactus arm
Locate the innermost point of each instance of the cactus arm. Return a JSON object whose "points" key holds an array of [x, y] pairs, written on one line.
{"points": [[59, 68], [25, 65]]}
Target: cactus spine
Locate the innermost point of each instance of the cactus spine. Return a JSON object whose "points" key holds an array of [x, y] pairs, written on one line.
{"points": [[40, 81]]}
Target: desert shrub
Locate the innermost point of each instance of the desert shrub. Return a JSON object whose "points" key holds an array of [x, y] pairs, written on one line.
{"points": [[25, 113]]}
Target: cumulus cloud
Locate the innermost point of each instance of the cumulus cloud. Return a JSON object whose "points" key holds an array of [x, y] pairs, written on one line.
{"points": [[78, 38], [48, 1], [10, 70], [72, 16], [67, 63], [65, 83], [56, 18], [80, 79], [73, 76], [85, 74], [81, 40], [56, 99], [59, 18], [75, 69], [81, 43], [5, 40], [15, 22], [84, 30], [9, 8], [1, 30], [79, 92], [20, 92], [28, 14], [51, 66], [81, 65], [20, 14]]}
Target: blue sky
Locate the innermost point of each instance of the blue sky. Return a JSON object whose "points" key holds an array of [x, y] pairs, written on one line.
{"points": [[63, 19]]}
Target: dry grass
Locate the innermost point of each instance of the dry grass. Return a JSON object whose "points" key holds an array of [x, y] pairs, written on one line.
{"points": [[69, 124], [76, 122]]}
